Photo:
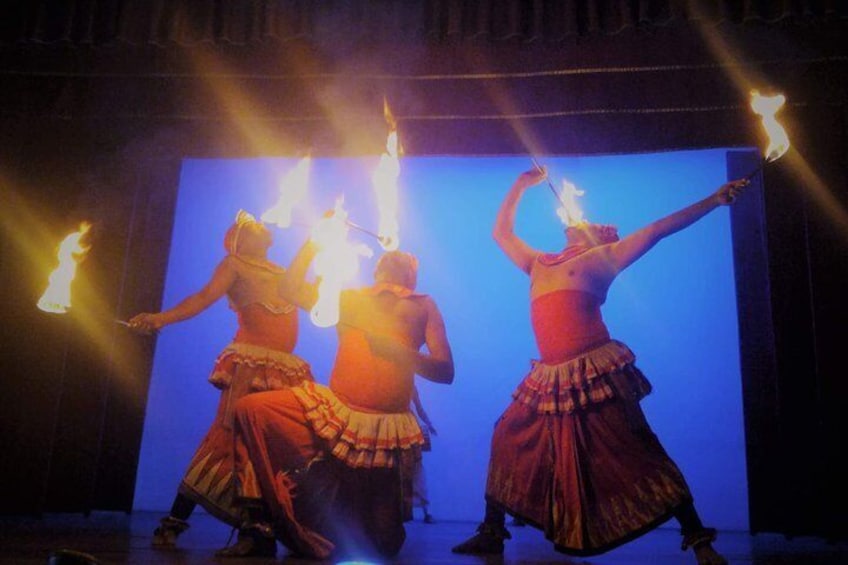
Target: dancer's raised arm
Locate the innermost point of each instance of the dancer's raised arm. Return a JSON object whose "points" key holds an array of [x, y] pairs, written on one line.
{"points": [[504, 232]]}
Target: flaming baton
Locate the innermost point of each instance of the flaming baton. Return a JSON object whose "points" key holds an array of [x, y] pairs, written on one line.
{"points": [[57, 297], [766, 107], [385, 181], [569, 212], [292, 190], [336, 262]]}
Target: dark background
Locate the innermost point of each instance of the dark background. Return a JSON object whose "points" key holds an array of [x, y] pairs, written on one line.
{"points": [[100, 101]]}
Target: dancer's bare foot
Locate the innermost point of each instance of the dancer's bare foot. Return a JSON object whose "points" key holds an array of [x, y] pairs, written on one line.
{"points": [[254, 540], [706, 555], [489, 540], [165, 535]]}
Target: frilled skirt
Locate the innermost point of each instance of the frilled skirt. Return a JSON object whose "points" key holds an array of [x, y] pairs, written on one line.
{"points": [[574, 456], [284, 441], [240, 369]]}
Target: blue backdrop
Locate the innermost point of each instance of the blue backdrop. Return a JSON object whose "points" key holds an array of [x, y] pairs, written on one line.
{"points": [[675, 308]]}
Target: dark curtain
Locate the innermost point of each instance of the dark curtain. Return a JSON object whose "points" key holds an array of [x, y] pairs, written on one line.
{"points": [[244, 22], [75, 385]]}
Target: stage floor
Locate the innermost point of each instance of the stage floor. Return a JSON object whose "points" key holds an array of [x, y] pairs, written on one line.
{"points": [[119, 538]]}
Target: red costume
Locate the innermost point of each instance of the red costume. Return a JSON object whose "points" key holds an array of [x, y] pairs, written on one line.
{"points": [[259, 359], [573, 454], [361, 423]]}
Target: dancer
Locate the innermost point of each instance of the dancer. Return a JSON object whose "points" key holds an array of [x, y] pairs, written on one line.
{"points": [[573, 454], [259, 358], [322, 467]]}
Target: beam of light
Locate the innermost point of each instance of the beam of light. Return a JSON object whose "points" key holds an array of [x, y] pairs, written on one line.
{"points": [[385, 182], [766, 107], [57, 297], [737, 71], [798, 165], [249, 119], [336, 263], [507, 105], [29, 230], [505, 101], [293, 188], [816, 188]]}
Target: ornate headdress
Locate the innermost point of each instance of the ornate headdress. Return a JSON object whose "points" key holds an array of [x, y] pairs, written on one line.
{"points": [[231, 238]]}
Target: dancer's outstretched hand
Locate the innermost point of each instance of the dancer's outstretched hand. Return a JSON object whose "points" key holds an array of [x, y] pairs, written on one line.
{"points": [[729, 191]]}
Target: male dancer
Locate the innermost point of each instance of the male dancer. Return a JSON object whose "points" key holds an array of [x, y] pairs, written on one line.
{"points": [[259, 358], [358, 430], [573, 454]]}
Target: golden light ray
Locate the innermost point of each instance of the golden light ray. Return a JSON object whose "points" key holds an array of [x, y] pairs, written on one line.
{"points": [[829, 205], [797, 164], [733, 66], [507, 106], [336, 263], [293, 189], [385, 183], [248, 119], [56, 298], [27, 226]]}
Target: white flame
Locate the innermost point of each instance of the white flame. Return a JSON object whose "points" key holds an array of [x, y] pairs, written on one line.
{"points": [[336, 263], [570, 212], [293, 187], [385, 181], [767, 107], [57, 297]]}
